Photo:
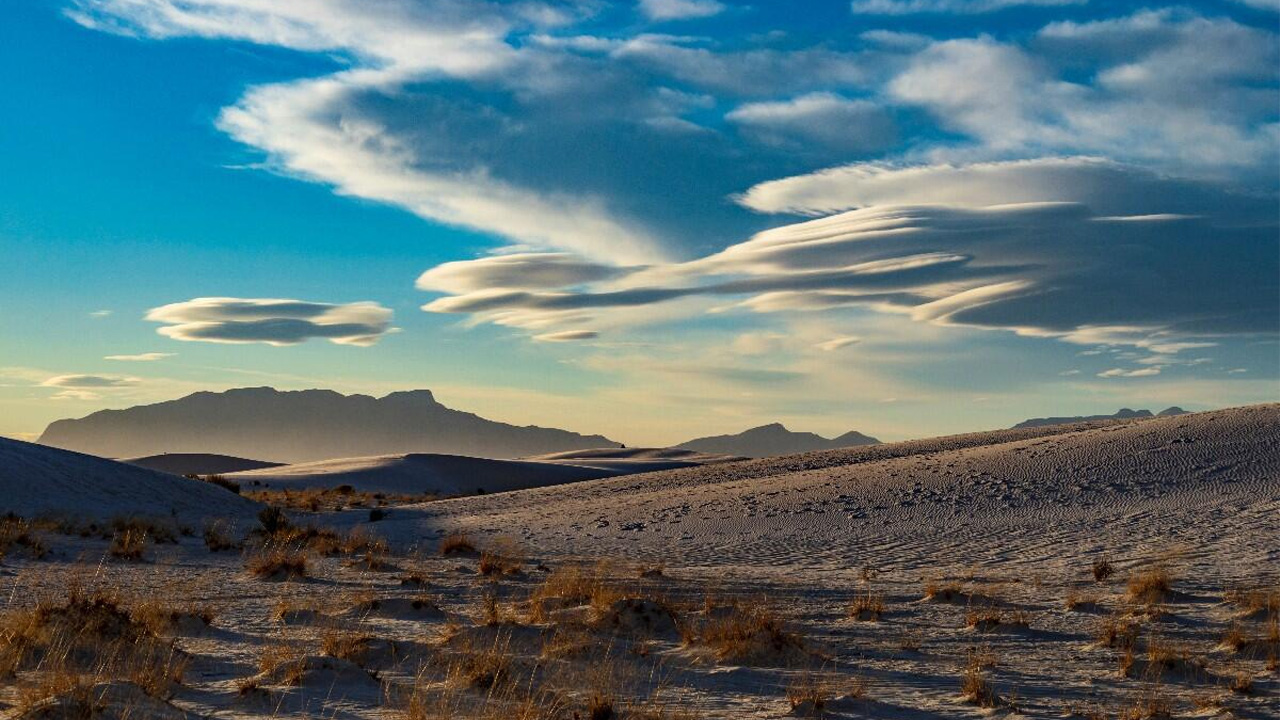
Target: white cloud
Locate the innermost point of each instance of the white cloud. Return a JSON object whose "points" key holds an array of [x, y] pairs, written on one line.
{"points": [[680, 9], [89, 381], [1106, 186], [272, 321], [825, 118], [100, 313], [141, 357], [957, 7], [514, 271], [1123, 373], [566, 336], [1044, 268], [838, 342]]}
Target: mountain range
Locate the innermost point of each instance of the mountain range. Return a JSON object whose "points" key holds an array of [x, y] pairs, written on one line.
{"points": [[306, 425], [774, 439], [1122, 414]]}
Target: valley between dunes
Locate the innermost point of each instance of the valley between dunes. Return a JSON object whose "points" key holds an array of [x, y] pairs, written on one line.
{"points": [[1119, 569]]}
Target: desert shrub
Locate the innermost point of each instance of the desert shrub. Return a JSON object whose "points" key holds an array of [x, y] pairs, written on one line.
{"points": [[867, 606], [218, 480], [747, 632], [88, 638], [1150, 586], [277, 564], [273, 520], [943, 591], [457, 544], [975, 684], [377, 514], [218, 538], [1102, 569], [1116, 631], [128, 544], [16, 532]]}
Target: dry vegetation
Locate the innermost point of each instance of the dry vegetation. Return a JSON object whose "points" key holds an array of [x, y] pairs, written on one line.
{"points": [[334, 499], [501, 635]]}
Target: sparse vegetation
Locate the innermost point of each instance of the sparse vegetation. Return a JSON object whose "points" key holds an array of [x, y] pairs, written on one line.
{"points": [[1102, 569], [277, 563], [1150, 586], [457, 544]]}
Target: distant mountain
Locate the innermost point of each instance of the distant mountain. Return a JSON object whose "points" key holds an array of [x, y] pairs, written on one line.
{"points": [[198, 463], [774, 439], [304, 426], [1122, 414]]}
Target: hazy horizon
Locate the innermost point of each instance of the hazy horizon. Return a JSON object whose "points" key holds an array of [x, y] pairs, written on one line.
{"points": [[651, 220]]}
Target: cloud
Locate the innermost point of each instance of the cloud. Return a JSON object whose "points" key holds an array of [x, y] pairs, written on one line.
{"points": [[89, 381], [1176, 91], [514, 271], [1046, 268], [1122, 373], [680, 9], [958, 7], [567, 336], [1117, 191], [142, 357], [272, 321], [825, 118], [838, 342], [99, 313]]}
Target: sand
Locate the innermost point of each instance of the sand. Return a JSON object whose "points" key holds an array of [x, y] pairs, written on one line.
{"points": [[1002, 526]]}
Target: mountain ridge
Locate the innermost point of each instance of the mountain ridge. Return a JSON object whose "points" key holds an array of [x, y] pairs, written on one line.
{"points": [[1121, 414], [774, 439], [305, 425]]}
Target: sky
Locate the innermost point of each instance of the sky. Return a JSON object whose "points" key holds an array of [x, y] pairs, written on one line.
{"points": [[653, 220]]}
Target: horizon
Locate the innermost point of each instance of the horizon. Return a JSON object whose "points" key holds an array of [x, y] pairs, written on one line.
{"points": [[652, 221]]}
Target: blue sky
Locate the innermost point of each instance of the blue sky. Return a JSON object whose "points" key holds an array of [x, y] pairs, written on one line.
{"points": [[651, 219]]}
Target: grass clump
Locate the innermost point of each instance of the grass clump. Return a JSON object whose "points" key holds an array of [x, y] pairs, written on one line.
{"points": [[1150, 586], [18, 533], [1102, 569], [278, 563], [457, 544]]}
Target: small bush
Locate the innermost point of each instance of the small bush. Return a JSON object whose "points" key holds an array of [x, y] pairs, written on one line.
{"points": [[976, 687], [217, 538], [1150, 586], [377, 514], [278, 564], [867, 606], [1102, 569], [457, 544], [273, 520], [128, 544]]}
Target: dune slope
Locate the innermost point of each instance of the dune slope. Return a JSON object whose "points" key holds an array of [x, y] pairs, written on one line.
{"points": [[36, 480], [1037, 496]]}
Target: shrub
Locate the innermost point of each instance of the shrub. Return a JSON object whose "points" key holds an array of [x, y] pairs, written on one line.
{"points": [[273, 520], [278, 564], [376, 514], [1150, 586], [975, 685], [17, 532], [1102, 569], [216, 537], [867, 607], [128, 544], [456, 544]]}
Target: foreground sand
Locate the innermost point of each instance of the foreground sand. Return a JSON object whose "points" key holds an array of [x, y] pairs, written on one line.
{"points": [[979, 548]]}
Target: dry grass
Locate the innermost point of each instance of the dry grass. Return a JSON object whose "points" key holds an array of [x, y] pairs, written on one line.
{"points": [[217, 537], [867, 606], [749, 632], [975, 684], [457, 544], [128, 544], [18, 533], [83, 640], [810, 693], [1150, 586], [939, 591], [277, 564], [334, 499], [1102, 569]]}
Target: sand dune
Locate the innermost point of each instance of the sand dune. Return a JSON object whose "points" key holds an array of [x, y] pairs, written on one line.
{"points": [[36, 480], [1032, 496], [419, 473], [429, 473], [198, 463]]}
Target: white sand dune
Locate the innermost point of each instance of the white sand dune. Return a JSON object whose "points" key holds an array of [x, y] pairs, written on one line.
{"points": [[419, 473], [198, 463], [628, 461], [1034, 496], [39, 480]]}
